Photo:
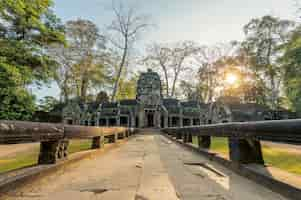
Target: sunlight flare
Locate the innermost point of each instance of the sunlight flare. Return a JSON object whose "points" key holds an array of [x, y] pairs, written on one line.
{"points": [[231, 79]]}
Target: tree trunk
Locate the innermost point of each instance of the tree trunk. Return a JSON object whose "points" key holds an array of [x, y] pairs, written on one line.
{"points": [[166, 80], [174, 84], [83, 89], [121, 65], [274, 93]]}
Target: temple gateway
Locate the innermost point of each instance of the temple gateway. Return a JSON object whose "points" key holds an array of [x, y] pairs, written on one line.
{"points": [[151, 109]]}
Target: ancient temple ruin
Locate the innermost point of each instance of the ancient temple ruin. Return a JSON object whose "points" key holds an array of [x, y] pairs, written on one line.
{"points": [[151, 109]]}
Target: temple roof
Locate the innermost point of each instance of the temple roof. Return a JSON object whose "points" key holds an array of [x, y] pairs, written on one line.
{"points": [[92, 106], [248, 107], [170, 102], [109, 105], [129, 102], [190, 103]]}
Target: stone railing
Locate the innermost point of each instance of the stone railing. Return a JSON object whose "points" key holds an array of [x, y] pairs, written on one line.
{"points": [[54, 138], [244, 137]]}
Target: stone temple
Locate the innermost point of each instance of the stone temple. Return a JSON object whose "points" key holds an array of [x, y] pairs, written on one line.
{"points": [[151, 110]]}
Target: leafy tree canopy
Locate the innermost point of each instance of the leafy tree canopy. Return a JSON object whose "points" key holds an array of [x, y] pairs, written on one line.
{"points": [[292, 65], [27, 27]]}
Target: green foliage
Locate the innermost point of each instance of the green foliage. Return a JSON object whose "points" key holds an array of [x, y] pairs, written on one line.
{"points": [[48, 103], [16, 102], [31, 20], [81, 62], [264, 36], [102, 97], [127, 89], [27, 27], [292, 65]]}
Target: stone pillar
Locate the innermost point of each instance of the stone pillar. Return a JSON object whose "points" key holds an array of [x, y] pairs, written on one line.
{"points": [[52, 151], [204, 142], [120, 136], [165, 120], [133, 120], [157, 119], [118, 116], [181, 116], [112, 138], [189, 138], [118, 120], [141, 116], [98, 142], [185, 138], [245, 151], [178, 136]]}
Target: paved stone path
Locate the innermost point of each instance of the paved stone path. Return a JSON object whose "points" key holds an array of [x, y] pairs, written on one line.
{"points": [[147, 167]]}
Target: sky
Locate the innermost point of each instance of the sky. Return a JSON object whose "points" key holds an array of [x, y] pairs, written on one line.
{"points": [[204, 21]]}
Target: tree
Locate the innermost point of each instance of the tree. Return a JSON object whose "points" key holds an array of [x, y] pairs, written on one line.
{"points": [[173, 59], [26, 29], [263, 38], [63, 75], [244, 87], [208, 59], [127, 88], [124, 30], [190, 91], [15, 102], [160, 55], [81, 62], [48, 103], [291, 61], [86, 45], [102, 97]]}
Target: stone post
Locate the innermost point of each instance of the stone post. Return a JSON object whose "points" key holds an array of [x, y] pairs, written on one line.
{"points": [[118, 116], [120, 136], [181, 116], [112, 138], [178, 136], [189, 138], [118, 120], [98, 142], [204, 142], [245, 151], [165, 121], [52, 151], [185, 138], [133, 120], [141, 116]]}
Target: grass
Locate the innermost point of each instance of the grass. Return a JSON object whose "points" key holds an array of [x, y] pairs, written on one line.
{"points": [[220, 145], [277, 157], [273, 156], [30, 157]]}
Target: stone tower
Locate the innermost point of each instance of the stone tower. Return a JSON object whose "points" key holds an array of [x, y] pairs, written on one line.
{"points": [[149, 95]]}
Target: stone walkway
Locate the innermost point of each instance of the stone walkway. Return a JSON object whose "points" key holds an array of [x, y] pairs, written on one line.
{"points": [[147, 167]]}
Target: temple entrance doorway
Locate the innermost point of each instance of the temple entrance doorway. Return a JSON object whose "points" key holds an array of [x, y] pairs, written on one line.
{"points": [[150, 118]]}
